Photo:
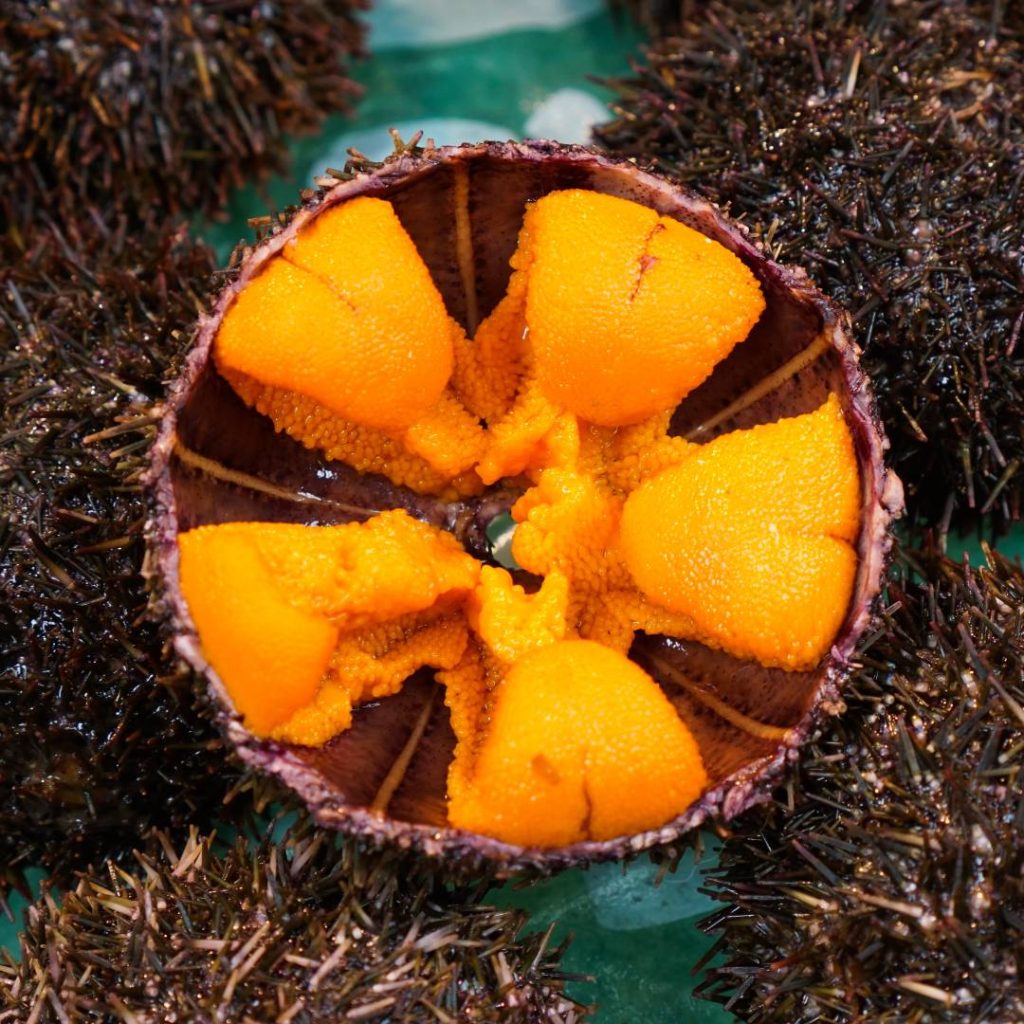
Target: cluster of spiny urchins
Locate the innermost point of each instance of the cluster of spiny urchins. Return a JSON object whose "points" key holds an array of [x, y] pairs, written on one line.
{"points": [[117, 118], [893, 893], [881, 147]]}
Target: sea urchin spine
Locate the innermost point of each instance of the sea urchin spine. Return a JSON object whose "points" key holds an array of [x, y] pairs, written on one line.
{"points": [[161, 108], [97, 741], [894, 889], [300, 928]]}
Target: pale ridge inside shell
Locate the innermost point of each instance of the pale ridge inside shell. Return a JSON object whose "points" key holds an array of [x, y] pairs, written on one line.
{"points": [[463, 209]]}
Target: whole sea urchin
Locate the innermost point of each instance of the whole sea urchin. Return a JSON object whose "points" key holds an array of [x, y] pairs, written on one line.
{"points": [[881, 147], [895, 890], [300, 928], [371, 359], [162, 106], [96, 739]]}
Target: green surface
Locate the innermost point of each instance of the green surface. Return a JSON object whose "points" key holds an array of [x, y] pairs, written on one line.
{"points": [[635, 937]]}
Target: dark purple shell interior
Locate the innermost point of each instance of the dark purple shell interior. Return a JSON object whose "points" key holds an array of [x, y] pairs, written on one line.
{"points": [[217, 461]]}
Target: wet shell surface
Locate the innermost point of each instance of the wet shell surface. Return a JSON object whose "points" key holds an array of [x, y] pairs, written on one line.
{"points": [[218, 461]]}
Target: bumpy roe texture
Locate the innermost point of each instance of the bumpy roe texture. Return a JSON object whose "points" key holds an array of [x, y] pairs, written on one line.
{"points": [[612, 315]]}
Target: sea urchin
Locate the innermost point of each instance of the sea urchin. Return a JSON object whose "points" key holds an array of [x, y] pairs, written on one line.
{"points": [[161, 107], [298, 928], [97, 741], [676, 424]]}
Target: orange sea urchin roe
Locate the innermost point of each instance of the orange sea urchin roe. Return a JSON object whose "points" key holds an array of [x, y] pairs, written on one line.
{"points": [[281, 609], [752, 538], [581, 744], [613, 314], [344, 341], [627, 311], [568, 524], [512, 622], [348, 315]]}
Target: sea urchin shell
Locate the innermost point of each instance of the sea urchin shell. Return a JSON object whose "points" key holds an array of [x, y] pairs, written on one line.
{"points": [[218, 461]]}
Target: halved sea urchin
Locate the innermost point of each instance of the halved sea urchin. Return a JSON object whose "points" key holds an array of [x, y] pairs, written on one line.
{"points": [[677, 426], [881, 147]]}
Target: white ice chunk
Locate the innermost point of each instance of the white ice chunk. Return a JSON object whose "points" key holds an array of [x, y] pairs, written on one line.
{"points": [[567, 115]]}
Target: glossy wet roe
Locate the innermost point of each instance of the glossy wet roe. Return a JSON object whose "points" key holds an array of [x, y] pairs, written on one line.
{"points": [[613, 314]]}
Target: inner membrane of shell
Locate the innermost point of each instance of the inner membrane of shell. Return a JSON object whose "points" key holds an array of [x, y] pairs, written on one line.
{"points": [[686, 523]]}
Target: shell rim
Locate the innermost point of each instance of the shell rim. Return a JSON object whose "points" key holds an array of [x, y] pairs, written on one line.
{"points": [[882, 502]]}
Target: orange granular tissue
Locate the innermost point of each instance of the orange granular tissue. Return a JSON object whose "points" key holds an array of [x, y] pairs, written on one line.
{"points": [[581, 744], [344, 341], [627, 311], [752, 538], [512, 622], [613, 314], [568, 525], [289, 615]]}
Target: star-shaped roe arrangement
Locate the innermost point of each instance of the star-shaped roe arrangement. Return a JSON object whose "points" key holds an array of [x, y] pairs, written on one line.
{"points": [[566, 391]]}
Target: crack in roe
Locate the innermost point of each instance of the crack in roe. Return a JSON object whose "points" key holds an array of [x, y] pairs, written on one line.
{"points": [[612, 316]]}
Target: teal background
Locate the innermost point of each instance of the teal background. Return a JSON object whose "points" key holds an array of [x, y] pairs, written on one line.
{"points": [[465, 70]]}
